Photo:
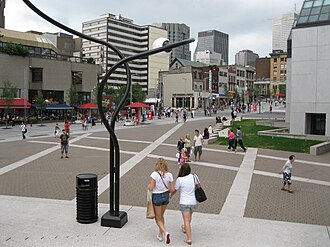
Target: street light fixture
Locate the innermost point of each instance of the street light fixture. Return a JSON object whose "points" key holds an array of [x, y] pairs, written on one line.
{"points": [[114, 217]]}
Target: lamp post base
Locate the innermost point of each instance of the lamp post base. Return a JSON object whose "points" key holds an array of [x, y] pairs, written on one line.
{"points": [[112, 220]]}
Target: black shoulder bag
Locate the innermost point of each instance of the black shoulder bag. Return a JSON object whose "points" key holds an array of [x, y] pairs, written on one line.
{"points": [[199, 192]]}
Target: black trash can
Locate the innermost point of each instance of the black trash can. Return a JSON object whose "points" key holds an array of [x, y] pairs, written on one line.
{"points": [[86, 192]]}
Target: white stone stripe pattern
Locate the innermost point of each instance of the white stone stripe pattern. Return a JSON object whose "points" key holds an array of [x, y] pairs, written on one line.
{"points": [[235, 203]]}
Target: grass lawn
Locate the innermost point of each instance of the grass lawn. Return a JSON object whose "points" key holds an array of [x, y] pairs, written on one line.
{"points": [[252, 139]]}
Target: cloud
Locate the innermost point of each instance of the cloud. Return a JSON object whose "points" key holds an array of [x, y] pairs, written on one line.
{"points": [[248, 23]]}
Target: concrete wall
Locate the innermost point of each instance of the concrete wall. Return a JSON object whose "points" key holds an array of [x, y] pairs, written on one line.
{"points": [[56, 74], [310, 73]]}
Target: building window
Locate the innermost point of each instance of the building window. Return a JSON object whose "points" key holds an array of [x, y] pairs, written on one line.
{"points": [[36, 75], [315, 123], [76, 77]]}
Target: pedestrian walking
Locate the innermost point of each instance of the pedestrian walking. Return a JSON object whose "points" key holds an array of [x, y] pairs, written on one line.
{"points": [[64, 137], [231, 140], [176, 117], [286, 171], [24, 130], [57, 131], [161, 185], [198, 141], [187, 145], [239, 139], [185, 184]]}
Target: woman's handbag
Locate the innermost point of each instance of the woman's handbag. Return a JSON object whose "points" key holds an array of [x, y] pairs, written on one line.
{"points": [[199, 192], [150, 207]]}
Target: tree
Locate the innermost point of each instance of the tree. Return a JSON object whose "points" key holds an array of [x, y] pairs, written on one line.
{"points": [[40, 104], [14, 49], [9, 93], [73, 96]]}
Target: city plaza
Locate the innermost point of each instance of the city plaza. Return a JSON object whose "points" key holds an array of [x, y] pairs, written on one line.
{"points": [[245, 205]]}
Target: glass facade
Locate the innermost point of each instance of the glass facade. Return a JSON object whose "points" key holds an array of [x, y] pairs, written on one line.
{"points": [[314, 12]]}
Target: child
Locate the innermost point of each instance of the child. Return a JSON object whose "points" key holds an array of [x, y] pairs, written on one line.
{"points": [[57, 130], [64, 144], [183, 156], [286, 171]]}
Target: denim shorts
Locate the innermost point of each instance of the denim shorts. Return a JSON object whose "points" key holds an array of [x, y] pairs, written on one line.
{"points": [[187, 208], [161, 198]]}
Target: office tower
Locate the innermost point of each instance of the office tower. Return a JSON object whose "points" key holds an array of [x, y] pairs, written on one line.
{"points": [[2, 13], [177, 32], [130, 39], [246, 58], [213, 41], [281, 30]]}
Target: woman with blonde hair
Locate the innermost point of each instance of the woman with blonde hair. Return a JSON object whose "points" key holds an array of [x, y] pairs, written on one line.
{"points": [[161, 184]]}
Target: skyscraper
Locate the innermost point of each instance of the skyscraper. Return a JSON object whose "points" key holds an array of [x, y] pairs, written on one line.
{"points": [[281, 30], [130, 39], [245, 58], [177, 32], [2, 13], [213, 41]]}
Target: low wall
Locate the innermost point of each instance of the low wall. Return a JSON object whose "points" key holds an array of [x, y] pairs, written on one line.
{"points": [[321, 148]]}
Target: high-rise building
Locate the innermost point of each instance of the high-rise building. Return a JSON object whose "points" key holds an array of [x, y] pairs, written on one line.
{"points": [[2, 13], [64, 42], [246, 58], [177, 32], [281, 30], [213, 41], [130, 39]]}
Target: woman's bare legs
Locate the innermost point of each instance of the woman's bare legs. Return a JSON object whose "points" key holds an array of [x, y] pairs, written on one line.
{"points": [[159, 218], [187, 216]]}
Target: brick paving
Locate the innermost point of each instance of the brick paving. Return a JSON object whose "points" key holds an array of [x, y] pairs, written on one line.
{"points": [[11, 152], [299, 169], [308, 204], [53, 178], [216, 183]]}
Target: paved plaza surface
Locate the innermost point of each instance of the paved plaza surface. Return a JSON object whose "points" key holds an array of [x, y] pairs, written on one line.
{"points": [[245, 205]]}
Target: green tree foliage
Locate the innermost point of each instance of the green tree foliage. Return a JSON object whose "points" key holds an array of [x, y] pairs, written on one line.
{"points": [[14, 49], [40, 104], [9, 92], [137, 94], [73, 96]]}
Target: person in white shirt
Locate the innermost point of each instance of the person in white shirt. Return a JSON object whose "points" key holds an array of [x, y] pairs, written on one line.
{"points": [[286, 171], [161, 184], [198, 140], [24, 130], [185, 184]]}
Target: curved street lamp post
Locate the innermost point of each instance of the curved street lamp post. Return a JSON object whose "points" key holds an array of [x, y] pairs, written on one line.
{"points": [[114, 217]]}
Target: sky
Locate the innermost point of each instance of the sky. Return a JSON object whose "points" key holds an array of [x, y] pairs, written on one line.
{"points": [[248, 22]]}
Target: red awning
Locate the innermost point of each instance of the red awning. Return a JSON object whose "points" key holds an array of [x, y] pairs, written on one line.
{"points": [[280, 95], [88, 106], [17, 103], [137, 105]]}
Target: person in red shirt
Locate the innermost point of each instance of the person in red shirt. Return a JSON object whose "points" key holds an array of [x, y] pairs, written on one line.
{"points": [[67, 127]]}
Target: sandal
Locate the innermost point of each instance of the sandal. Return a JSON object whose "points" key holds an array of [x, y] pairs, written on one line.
{"points": [[290, 191], [188, 242], [160, 239], [183, 229]]}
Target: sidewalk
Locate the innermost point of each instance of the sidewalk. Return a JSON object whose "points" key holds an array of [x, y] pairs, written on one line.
{"points": [[42, 222]]}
